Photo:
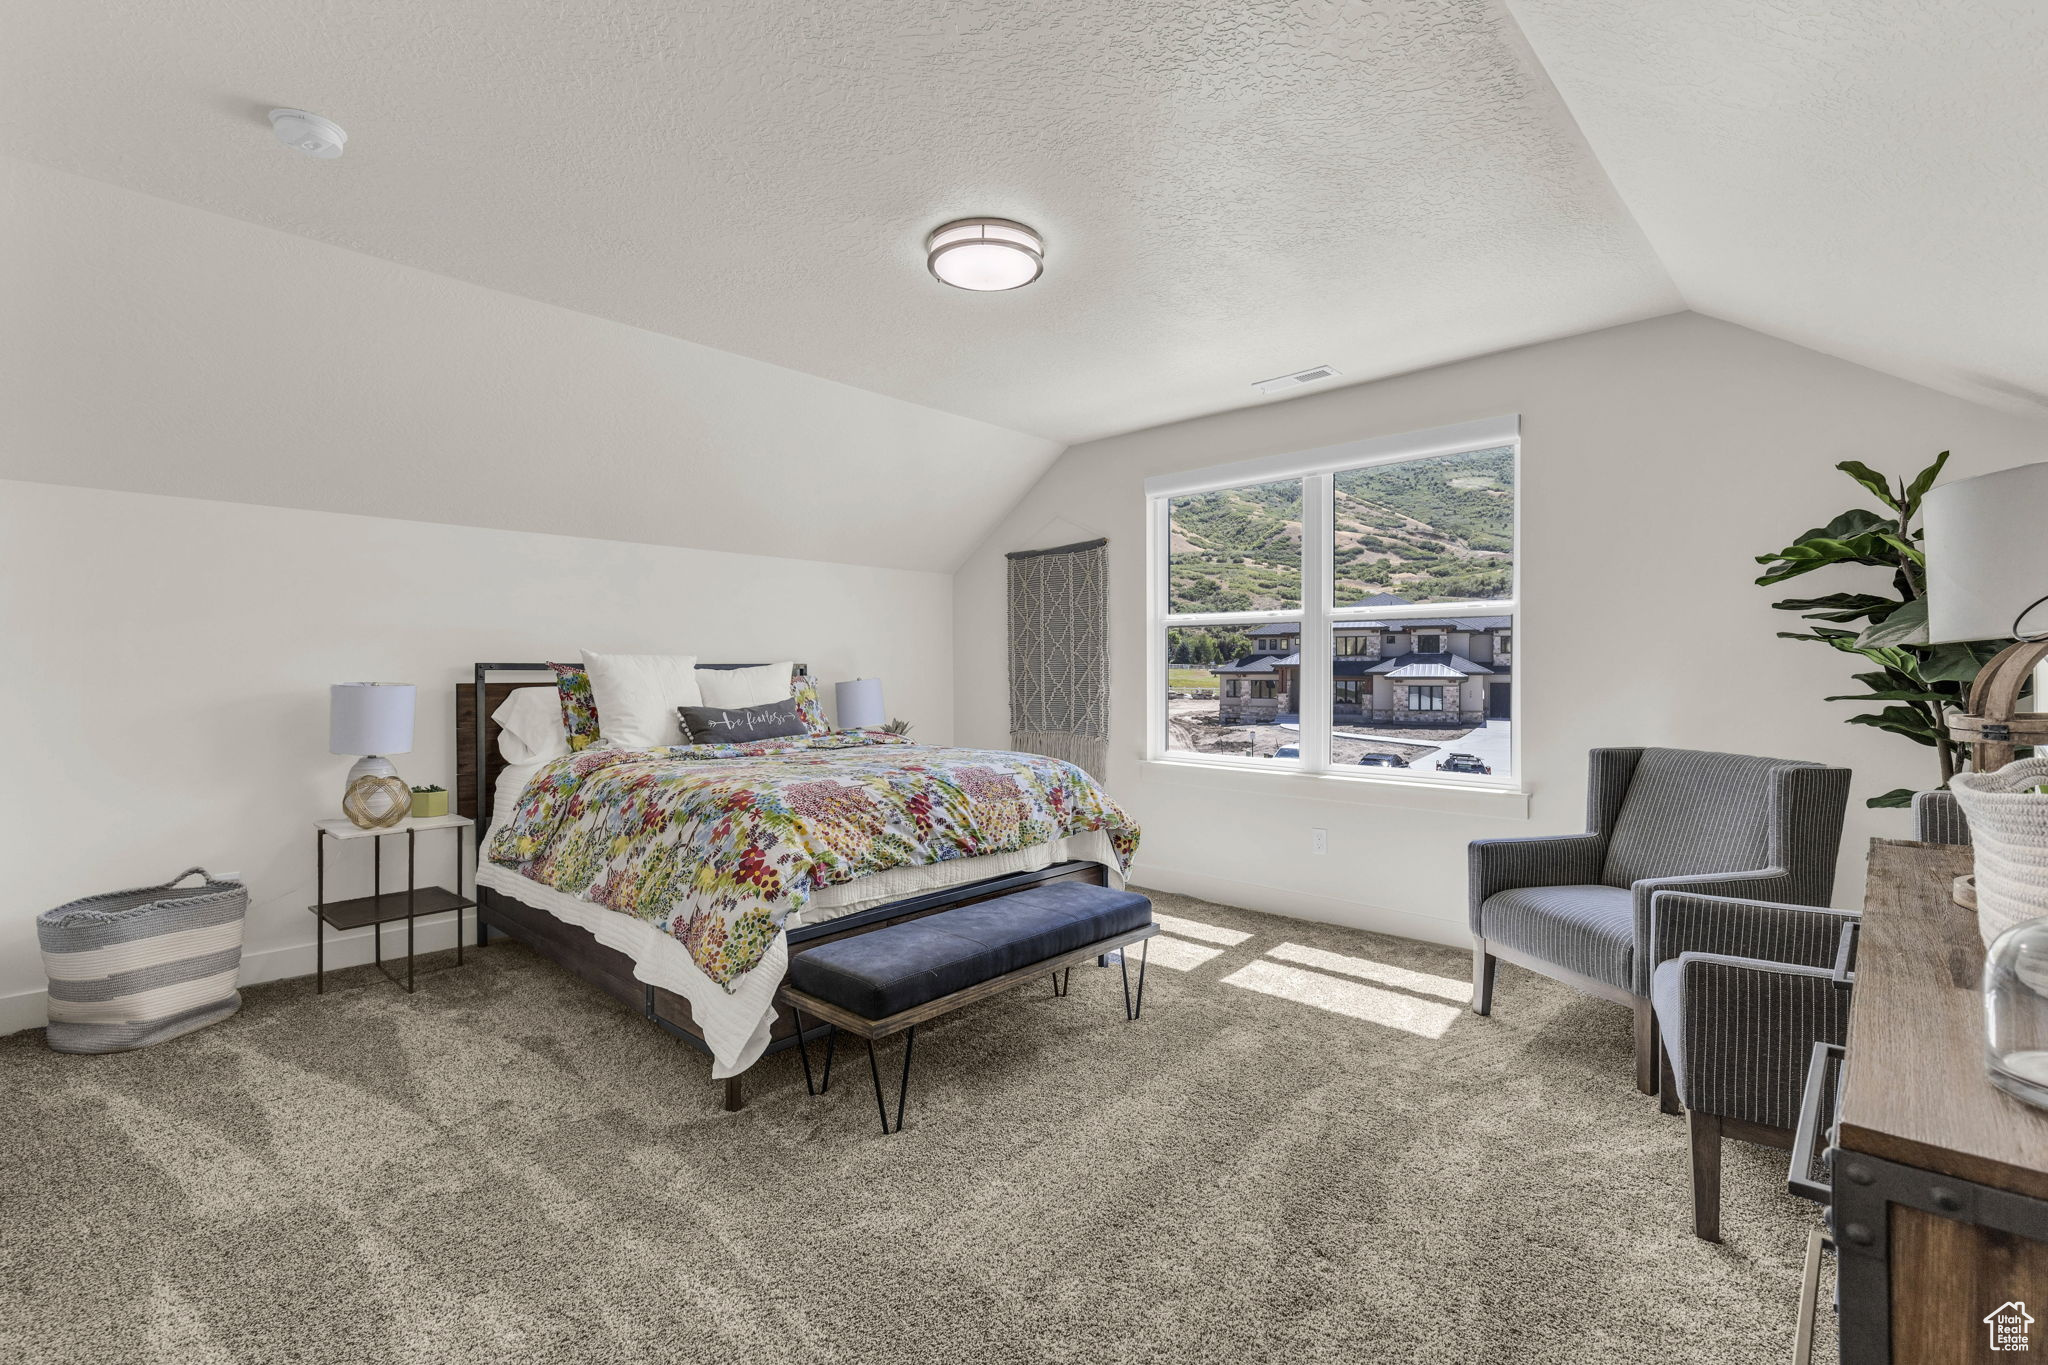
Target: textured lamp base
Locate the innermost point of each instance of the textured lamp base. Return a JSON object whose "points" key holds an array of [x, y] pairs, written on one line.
{"points": [[377, 797]]}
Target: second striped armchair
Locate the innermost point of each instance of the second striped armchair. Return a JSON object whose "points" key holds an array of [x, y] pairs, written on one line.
{"points": [[1742, 990]]}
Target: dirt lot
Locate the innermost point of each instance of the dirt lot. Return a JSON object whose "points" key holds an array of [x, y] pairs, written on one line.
{"points": [[1192, 725]]}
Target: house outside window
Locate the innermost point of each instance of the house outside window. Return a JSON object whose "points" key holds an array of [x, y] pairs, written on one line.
{"points": [[1350, 600]]}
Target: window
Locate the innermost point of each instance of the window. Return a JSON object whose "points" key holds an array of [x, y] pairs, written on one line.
{"points": [[1232, 549], [1315, 581]]}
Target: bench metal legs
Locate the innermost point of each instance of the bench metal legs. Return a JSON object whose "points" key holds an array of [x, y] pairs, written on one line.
{"points": [[1145, 957], [1062, 982], [804, 1051], [903, 1090], [874, 1070]]}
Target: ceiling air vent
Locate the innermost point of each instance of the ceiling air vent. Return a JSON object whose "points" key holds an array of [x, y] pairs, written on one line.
{"points": [[1295, 380]]}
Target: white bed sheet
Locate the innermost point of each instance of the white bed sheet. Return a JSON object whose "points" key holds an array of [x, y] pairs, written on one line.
{"points": [[736, 1024]]}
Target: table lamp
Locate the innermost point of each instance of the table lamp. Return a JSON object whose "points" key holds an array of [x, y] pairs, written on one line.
{"points": [[372, 719], [1987, 579], [859, 703]]}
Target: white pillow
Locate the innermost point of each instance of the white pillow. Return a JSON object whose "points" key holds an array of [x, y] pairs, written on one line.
{"points": [[637, 696], [530, 728], [737, 687]]}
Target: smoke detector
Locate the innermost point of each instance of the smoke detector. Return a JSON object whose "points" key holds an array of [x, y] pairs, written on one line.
{"points": [[1296, 380], [308, 133]]}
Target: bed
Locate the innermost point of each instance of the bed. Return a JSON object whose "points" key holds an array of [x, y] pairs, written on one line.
{"points": [[664, 972]]}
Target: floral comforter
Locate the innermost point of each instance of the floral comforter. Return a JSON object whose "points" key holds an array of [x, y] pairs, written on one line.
{"points": [[719, 844]]}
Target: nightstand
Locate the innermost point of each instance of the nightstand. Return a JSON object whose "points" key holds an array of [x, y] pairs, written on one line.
{"points": [[385, 907]]}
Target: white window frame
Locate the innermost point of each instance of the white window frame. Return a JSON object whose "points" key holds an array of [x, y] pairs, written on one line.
{"points": [[1317, 469]]}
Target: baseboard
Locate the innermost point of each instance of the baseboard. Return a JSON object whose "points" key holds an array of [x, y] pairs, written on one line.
{"points": [[1305, 905], [30, 1009]]}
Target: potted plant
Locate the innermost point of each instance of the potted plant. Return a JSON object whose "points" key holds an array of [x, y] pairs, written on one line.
{"points": [[1916, 681], [429, 801]]}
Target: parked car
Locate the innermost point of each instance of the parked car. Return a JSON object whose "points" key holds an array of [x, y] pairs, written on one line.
{"points": [[1461, 763], [1383, 761], [1288, 751]]}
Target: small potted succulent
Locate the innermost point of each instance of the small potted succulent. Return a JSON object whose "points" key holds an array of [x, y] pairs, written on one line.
{"points": [[429, 801]]}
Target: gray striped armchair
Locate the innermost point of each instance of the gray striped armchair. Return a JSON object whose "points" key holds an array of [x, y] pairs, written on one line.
{"points": [[1577, 907], [1742, 990]]}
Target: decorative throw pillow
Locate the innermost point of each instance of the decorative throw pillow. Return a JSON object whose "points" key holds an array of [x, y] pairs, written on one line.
{"points": [[637, 696], [579, 707], [737, 725], [736, 687], [804, 693]]}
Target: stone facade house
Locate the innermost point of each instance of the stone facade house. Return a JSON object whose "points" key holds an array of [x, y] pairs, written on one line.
{"points": [[1448, 670]]}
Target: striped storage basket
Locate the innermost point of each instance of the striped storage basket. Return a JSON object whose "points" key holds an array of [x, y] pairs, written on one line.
{"points": [[133, 968]]}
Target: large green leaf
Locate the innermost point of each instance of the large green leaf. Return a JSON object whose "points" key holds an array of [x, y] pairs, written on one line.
{"points": [[1923, 481], [1909, 551], [1901, 720], [1896, 797], [1950, 663], [1905, 626], [1894, 694], [1870, 479], [1841, 606], [1854, 522], [1871, 547]]}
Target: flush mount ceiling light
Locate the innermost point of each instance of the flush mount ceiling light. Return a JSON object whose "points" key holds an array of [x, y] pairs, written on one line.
{"points": [[308, 133], [986, 254]]}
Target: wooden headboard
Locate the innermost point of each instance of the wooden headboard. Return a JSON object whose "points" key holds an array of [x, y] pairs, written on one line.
{"points": [[477, 760]]}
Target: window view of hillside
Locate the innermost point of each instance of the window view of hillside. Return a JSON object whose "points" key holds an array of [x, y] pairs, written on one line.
{"points": [[1238, 549], [1432, 530]]}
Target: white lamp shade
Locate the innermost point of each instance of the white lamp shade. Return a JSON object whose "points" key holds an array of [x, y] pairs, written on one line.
{"points": [[369, 718], [860, 704], [1987, 554]]}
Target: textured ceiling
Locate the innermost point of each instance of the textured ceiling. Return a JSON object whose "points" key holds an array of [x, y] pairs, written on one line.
{"points": [[1868, 178], [1228, 191]]}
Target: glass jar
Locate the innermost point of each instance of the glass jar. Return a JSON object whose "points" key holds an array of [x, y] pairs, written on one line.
{"points": [[2016, 1012]]}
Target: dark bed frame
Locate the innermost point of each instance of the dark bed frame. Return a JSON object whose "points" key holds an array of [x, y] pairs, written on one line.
{"points": [[576, 950]]}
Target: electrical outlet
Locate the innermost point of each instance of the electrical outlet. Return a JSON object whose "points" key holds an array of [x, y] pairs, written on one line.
{"points": [[1319, 841]]}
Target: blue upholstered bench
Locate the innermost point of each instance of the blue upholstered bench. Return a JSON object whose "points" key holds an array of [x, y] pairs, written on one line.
{"points": [[892, 979]]}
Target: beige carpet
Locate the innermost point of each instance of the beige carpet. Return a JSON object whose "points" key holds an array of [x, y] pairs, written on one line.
{"points": [[1307, 1150]]}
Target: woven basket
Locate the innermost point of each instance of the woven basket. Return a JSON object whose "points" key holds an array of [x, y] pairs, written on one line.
{"points": [[2009, 826], [132, 968]]}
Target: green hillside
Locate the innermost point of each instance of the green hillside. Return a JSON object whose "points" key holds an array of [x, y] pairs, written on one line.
{"points": [[1431, 530]]}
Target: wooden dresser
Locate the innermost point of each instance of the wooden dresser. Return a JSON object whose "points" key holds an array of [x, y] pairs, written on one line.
{"points": [[1940, 1180]]}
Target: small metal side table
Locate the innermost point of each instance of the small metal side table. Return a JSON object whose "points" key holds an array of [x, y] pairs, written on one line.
{"points": [[385, 907]]}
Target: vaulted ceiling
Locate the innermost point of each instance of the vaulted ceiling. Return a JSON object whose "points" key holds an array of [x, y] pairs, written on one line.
{"points": [[1865, 177], [1228, 192]]}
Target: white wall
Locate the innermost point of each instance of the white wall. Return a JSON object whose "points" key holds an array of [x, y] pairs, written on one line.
{"points": [[1658, 458], [167, 662]]}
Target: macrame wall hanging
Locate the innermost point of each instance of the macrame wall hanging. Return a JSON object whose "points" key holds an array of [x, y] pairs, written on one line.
{"points": [[1059, 653]]}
